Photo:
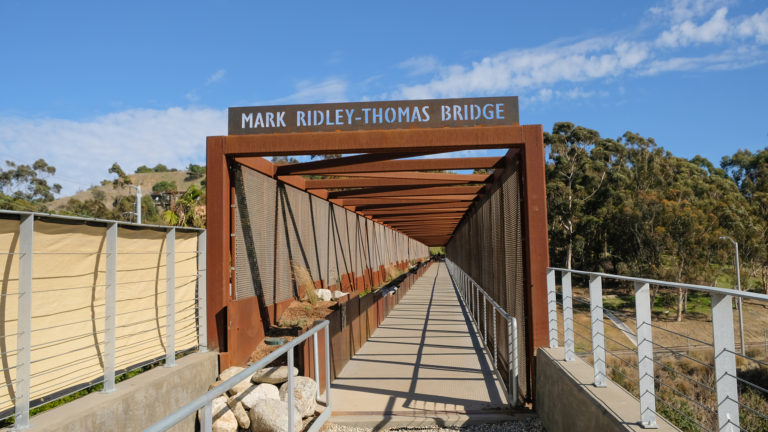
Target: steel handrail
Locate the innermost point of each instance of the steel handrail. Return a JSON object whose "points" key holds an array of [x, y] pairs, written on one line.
{"points": [[705, 288], [206, 400]]}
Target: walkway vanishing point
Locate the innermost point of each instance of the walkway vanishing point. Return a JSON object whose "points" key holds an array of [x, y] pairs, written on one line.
{"points": [[424, 365]]}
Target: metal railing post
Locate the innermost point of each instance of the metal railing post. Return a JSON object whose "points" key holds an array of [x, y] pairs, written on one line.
{"points": [[485, 322], [568, 336], [552, 307], [202, 315], [598, 331], [495, 342], [645, 356], [725, 361], [170, 298], [290, 391], [512, 368], [316, 358], [328, 367], [206, 423], [24, 337], [110, 309]]}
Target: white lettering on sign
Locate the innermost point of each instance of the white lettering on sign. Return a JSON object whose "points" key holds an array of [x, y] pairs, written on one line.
{"points": [[268, 120], [472, 112]]}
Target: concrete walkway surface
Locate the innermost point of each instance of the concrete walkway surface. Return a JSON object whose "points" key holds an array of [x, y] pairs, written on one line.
{"points": [[423, 366]]}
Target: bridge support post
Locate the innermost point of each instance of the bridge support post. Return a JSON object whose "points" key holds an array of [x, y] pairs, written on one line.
{"points": [[598, 330], [202, 327], [568, 317], [24, 336], [170, 298], [552, 309], [725, 362], [645, 356], [110, 309]]}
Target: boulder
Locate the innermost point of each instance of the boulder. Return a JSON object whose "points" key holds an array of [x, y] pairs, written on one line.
{"points": [[270, 415], [273, 375], [239, 387], [224, 419], [324, 294], [256, 393], [240, 414], [304, 392], [338, 294]]}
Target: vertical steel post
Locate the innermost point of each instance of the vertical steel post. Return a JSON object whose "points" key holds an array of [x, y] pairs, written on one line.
{"points": [[495, 341], [512, 367], [24, 337], [290, 391], [206, 422], [202, 324], [568, 336], [485, 322], [645, 356], [170, 298], [552, 305], [316, 358], [327, 367], [110, 309], [725, 362], [598, 331]]}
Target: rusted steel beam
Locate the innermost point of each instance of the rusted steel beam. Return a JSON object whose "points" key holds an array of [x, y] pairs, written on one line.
{"points": [[407, 165], [383, 182], [259, 164], [386, 200], [413, 206], [405, 191], [299, 168], [441, 140], [415, 175], [422, 218]]}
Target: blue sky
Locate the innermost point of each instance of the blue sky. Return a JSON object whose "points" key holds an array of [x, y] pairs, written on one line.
{"points": [[84, 84]]}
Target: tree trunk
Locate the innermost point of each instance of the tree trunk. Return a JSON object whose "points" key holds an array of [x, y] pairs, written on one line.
{"points": [[764, 277], [679, 304]]}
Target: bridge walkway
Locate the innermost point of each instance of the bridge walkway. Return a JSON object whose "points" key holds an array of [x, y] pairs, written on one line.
{"points": [[424, 365]]}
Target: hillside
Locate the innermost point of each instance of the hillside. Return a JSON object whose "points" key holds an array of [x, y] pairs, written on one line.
{"points": [[145, 180]]}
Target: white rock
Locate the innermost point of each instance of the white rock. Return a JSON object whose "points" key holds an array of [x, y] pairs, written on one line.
{"points": [[338, 294], [324, 294], [304, 392], [256, 393], [240, 414], [239, 387], [224, 419], [270, 415], [273, 375]]}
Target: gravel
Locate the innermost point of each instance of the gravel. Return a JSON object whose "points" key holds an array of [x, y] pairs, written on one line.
{"points": [[528, 424]]}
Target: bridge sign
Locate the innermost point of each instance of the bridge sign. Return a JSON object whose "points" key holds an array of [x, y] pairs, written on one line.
{"points": [[433, 113]]}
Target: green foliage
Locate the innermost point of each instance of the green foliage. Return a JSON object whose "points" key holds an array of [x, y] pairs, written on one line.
{"points": [[122, 178], [189, 209], [195, 172], [24, 187], [143, 169], [164, 186]]}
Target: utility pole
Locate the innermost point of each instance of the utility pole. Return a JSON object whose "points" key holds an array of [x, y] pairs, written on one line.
{"points": [[138, 202], [738, 288]]}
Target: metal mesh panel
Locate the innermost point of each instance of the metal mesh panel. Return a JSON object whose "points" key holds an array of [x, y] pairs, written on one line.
{"points": [[254, 234], [283, 289], [320, 229], [488, 245]]}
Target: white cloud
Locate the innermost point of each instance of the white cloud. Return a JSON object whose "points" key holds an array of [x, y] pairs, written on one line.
{"points": [[82, 151], [687, 32], [216, 77], [330, 90], [533, 72], [420, 65]]}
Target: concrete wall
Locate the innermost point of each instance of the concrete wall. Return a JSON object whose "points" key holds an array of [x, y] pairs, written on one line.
{"points": [[138, 402], [566, 399]]}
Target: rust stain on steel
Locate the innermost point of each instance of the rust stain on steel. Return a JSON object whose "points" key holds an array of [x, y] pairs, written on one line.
{"points": [[299, 168], [410, 206], [404, 165], [375, 141], [399, 200], [217, 258]]}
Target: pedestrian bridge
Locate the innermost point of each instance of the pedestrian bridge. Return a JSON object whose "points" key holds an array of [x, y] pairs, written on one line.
{"points": [[489, 334]]}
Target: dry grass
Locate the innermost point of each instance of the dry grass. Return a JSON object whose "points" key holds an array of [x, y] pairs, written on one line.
{"points": [[392, 272], [303, 279]]}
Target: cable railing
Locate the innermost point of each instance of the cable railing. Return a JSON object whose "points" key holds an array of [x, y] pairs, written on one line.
{"points": [[478, 304], [721, 383], [97, 313], [205, 402]]}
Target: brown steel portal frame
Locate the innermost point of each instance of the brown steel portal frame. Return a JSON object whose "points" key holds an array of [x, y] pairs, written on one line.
{"points": [[380, 185]]}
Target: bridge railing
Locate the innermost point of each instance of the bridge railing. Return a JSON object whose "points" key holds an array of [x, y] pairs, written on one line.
{"points": [[84, 300], [725, 381], [205, 402], [480, 305]]}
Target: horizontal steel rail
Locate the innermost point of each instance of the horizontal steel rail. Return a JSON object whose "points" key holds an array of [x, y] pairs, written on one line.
{"points": [[471, 293], [725, 377], [205, 401], [92, 220]]}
